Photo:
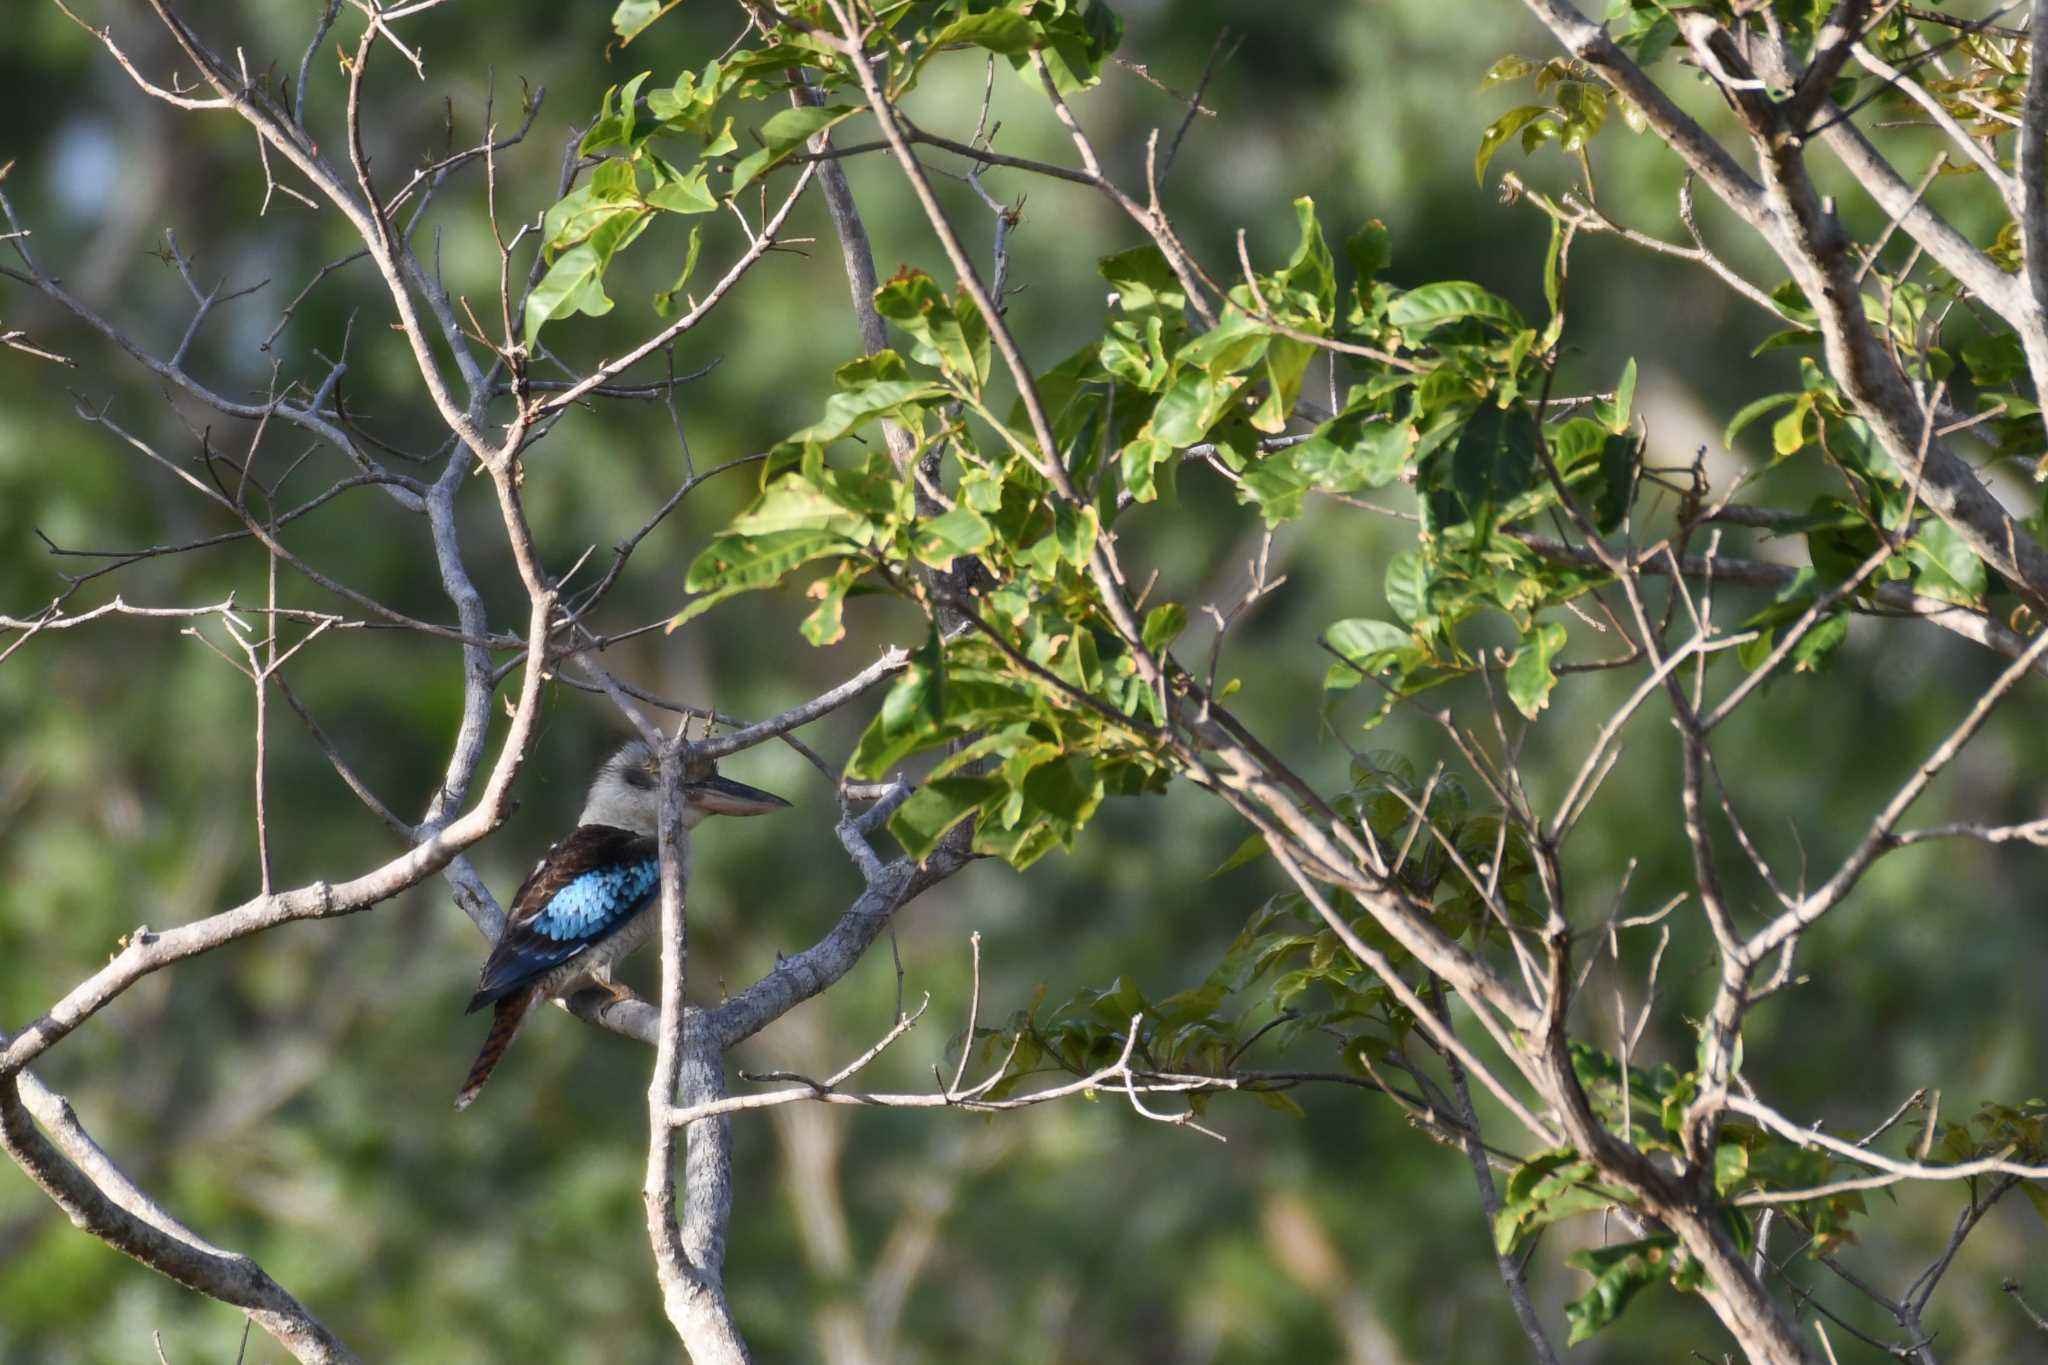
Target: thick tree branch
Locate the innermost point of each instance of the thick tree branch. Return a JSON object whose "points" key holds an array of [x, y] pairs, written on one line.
{"points": [[84, 1182]]}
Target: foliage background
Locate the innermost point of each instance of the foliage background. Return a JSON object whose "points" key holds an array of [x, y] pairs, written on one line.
{"points": [[290, 1096]]}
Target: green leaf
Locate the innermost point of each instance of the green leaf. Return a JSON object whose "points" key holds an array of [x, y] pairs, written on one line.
{"points": [[1545, 1189], [1788, 433], [1074, 531], [1286, 362], [1365, 646], [1553, 267], [1066, 790], [1139, 461], [1355, 450], [848, 411], [1076, 41], [826, 625], [1235, 342], [936, 808], [1731, 1167], [1133, 351], [590, 211], [1529, 675], [756, 561], [902, 725], [1615, 414], [665, 301], [610, 129], [783, 134], [791, 502], [1407, 586], [1753, 410], [1163, 625], [1499, 132], [1286, 1104], [1189, 407], [1995, 359], [688, 194], [1051, 803], [884, 366], [951, 535], [573, 284], [629, 102], [1584, 450], [632, 17], [1277, 485], [1250, 851], [1796, 336], [1584, 107], [735, 564], [1619, 1272], [1370, 250], [1144, 282], [949, 331], [1508, 68], [1309, 282], [1948, 568], [1003, 32], [2037, 1195], [1447, 301], [1811, 654], [1494, 461]]}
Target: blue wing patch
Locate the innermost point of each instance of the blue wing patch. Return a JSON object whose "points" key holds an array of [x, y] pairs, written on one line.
{"points": [[596, 901], [588, 886]]}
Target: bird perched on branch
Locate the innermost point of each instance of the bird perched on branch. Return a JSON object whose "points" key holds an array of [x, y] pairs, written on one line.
{"points": [[592, 899]]}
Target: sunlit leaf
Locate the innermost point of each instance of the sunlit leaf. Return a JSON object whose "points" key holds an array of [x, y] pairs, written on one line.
{"points": [[1529, 675], [783, 134], [1435, 304]]}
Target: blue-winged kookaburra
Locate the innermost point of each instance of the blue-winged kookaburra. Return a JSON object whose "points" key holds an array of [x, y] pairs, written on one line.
{"points": [[593, 898]]}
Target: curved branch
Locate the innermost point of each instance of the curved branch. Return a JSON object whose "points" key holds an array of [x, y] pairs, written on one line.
{"points": [[84, 1182]]}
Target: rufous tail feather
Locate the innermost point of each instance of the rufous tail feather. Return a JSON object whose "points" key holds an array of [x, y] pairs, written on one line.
{"points": [[505, 1020]]}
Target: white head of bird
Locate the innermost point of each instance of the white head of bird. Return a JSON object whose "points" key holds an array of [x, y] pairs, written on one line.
{"points": [[626, 794]]}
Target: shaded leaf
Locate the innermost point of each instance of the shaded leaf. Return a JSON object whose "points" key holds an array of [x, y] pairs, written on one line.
{"points": [[1619, 1273], [936, 808]]}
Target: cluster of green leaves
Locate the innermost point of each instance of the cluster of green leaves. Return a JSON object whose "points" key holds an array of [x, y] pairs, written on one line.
{"points": [[624, 193], [633, 183], [1984, 369], [1310, 985], [2011, 1132], [1988, 86], [1061, 700], [1555, 1185], [1648, 1107], [1447, 397], [1028, 754], [1645, 30], [1575, 115], [1842, 532], [1486, 466]]}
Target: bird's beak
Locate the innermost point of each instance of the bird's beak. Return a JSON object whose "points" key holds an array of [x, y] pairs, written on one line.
{"points": [[723, 796]]}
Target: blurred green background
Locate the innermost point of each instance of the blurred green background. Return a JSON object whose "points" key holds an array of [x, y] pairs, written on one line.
{"points": [[290, 1095]]}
